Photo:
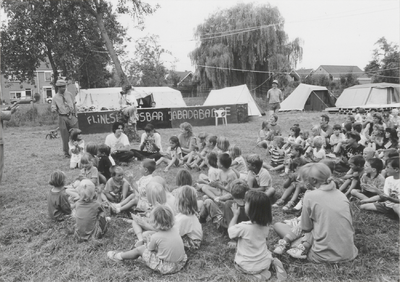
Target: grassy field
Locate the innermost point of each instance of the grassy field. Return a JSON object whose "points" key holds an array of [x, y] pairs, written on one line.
{"points": [[32, 248]]}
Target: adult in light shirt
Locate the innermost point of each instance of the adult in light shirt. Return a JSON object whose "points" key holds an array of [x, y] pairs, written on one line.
{"points": [[274, 98], [119, 144]]}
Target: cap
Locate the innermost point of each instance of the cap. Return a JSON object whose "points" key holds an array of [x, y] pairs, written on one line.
{"points": [[61, 82], [275, 81]]}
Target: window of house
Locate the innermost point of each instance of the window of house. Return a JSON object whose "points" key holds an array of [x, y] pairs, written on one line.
{"points": [[12, 78], [15, 95], [47, 75], [28, 93]]}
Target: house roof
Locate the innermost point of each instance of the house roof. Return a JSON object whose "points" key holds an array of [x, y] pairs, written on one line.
{"points": [[332, 69], [304, 71], [183, 75]]}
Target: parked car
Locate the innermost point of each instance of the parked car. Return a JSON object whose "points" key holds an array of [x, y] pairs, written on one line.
{"points": [[21, 101]]}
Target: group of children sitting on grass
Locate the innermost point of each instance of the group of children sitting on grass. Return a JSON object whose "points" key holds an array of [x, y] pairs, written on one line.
{"points": [[237, 196]]}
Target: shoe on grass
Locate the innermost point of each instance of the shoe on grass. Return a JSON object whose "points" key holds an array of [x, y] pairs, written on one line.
{"points": [[298, 252], [281, 247], [278, 203], [113, 256], [298, 206], [288, 206]]}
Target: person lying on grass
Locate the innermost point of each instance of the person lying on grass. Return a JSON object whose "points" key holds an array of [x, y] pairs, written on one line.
{"points": [[163, 250]]}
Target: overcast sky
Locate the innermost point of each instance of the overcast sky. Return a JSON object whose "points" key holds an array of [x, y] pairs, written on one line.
{"points": [[335, 32]]}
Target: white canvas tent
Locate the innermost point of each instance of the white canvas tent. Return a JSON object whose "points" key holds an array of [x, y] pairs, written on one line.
{"points": [[110, 98], [374, 95], [233, 95], [309, 98]]}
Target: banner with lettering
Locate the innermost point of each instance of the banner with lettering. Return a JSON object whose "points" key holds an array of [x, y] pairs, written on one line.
{"points": [[100, 122]]}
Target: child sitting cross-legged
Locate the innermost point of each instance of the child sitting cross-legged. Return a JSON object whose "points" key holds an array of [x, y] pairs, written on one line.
{"points": [[220, 212], [213, 171], [353, 176], [258, 178], [105, 161], [173, 156], [186, 220], [372, 181], [198, 148], [91, 221], [164, 252], [277, 155], [117, 187], [219, 187], [200, 160], [252, 254], [138, 199], [316, 152], [57, 199]]}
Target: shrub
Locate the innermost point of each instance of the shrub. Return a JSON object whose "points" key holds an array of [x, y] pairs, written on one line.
{"points": [[32, 115]]}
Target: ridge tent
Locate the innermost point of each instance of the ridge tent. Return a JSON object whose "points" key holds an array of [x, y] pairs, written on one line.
{"points": [[374, 95], [110, 98], [308, 98], [234, 95]]}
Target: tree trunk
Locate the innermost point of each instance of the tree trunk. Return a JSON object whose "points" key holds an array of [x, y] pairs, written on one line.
{"points": [[53, 66], [123, 78]]}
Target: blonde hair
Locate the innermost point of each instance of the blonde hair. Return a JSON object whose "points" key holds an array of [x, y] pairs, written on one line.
{"points": [[155, 193], [318, 140], [57, 178], [235, 151], [223, 143], [318, 171], [162, 218], [187, 200], [86, 190], [86, 158]]}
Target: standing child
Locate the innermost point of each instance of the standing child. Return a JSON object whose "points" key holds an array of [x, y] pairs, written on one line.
{"points": [[76, 147], [226, 175], [105, 161], [238, 162], [57, 199], [90, 219], [372, 181], [388, 201], [252, 254], [173, 156], [165, 251], [186, 220]]}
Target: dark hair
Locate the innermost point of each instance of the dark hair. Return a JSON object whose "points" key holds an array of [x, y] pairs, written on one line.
{"points": [[348, 126], [103, 148], [255, 160], [337, 127], [298, 148], [361, 110], [259, 211], [275, 117], [352, 118], [296, 131], [116, 125], [239, 187], [213, 139], [149, 164], [326, 117], [175, 140], [74, 134], [225, 160], [149, 127], [357, 127], [212, 159], [354, 136], [377, 164], [378, 116], [393, 134], [358, 161], [394, 162]]}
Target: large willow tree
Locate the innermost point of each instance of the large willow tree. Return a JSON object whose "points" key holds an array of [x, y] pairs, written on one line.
{"points": [[245, 37]]}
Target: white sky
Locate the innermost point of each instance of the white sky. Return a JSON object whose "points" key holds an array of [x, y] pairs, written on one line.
{"points": [[334, 32]]}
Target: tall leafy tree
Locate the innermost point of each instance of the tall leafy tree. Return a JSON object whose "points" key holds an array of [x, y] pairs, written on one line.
{"points": [[385, 63], [246, 37], [147, 68]]}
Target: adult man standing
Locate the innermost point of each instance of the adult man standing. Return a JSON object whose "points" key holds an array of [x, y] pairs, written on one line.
{"points": [[63, 104], [274, 98]]}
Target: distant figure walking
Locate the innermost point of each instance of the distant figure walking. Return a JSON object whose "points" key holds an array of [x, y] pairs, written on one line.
{"points": [[274, 98]]}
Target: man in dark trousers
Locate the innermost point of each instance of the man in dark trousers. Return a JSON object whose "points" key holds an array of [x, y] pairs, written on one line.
{"points": [[63, 103]]}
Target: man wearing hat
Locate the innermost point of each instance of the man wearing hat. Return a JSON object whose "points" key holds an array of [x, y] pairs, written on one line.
{"points": [[274, 98], [63, 104]]}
